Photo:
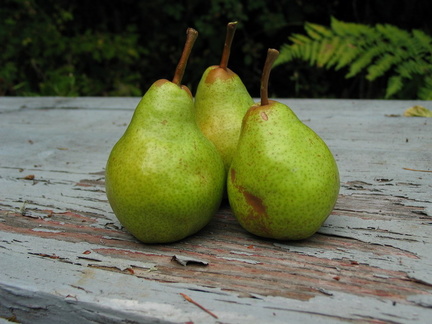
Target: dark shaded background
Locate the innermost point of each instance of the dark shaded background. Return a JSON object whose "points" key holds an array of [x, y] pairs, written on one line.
{"points": [[119, 48]]}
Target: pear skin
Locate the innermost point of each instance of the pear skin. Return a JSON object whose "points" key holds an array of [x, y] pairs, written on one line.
{"points": [[283, 181], [164, 179], [221, 101]]}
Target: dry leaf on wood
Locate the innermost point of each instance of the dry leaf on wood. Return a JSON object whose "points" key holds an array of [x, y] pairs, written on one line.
{"points": [[417, 111], [184, 261]]}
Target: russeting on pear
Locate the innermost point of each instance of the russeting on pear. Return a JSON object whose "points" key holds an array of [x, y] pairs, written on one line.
{"points": [[283, 181], [164, 178]]}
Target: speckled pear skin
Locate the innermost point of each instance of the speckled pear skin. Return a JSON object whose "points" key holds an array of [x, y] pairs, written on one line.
{"points": [[164, 179], [284, 181], [221, 101]]}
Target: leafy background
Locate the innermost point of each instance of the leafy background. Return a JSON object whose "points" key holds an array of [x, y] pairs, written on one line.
{"points": [[404, 58], [119, 48]]}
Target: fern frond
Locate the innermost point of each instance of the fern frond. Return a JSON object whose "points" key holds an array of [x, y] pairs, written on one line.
{"points": [[317, 32], [299, 39], [288, 54], [422, 43], [344, 55], [393, 34], [410, 67], [381, 50], [363, 61], [313, 53], [394, 84], [425, 92], [382, 65], [327, 51], [345, 29]]}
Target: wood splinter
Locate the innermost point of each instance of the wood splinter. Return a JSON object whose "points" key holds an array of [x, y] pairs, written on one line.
{"points": [[190, 300], [409, 169]]}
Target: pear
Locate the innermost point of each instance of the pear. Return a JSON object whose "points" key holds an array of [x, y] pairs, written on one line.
{"points": [[221, 100], [283, 181], [164, 178]]}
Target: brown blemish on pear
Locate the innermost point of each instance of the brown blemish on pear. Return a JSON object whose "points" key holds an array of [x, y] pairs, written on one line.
{"points": [[219, 73], [255, 202], [254, 110], [185, 88], [233, 174], [160, 82]]}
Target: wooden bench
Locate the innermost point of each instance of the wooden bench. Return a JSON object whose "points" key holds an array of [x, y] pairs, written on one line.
{"points": [[64, 257]]}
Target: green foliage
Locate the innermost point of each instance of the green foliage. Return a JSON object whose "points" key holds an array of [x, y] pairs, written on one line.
{"points": [[44, 55], [120, 47], [384, 50]]}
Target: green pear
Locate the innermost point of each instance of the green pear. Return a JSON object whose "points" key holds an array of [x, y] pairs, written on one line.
{"points": [[164, 178], [221, 100], [283, 181]]}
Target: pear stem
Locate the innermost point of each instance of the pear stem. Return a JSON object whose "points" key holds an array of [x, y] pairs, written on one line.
{"points": [[191, 36], [231, 28], [272, 55]]}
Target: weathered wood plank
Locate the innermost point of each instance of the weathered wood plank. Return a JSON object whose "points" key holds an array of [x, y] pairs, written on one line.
{"points": [[64, 256]]}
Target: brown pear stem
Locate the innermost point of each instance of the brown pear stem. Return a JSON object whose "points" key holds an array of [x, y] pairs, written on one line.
{"points": [[231, 28], [191, 36], [272, 55]]}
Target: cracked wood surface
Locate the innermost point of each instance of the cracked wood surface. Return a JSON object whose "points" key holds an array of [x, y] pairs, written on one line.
{"points": [[65, 258]]}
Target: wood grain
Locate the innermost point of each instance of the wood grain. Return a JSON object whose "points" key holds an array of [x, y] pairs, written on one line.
{"points": [[61, 245]]}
